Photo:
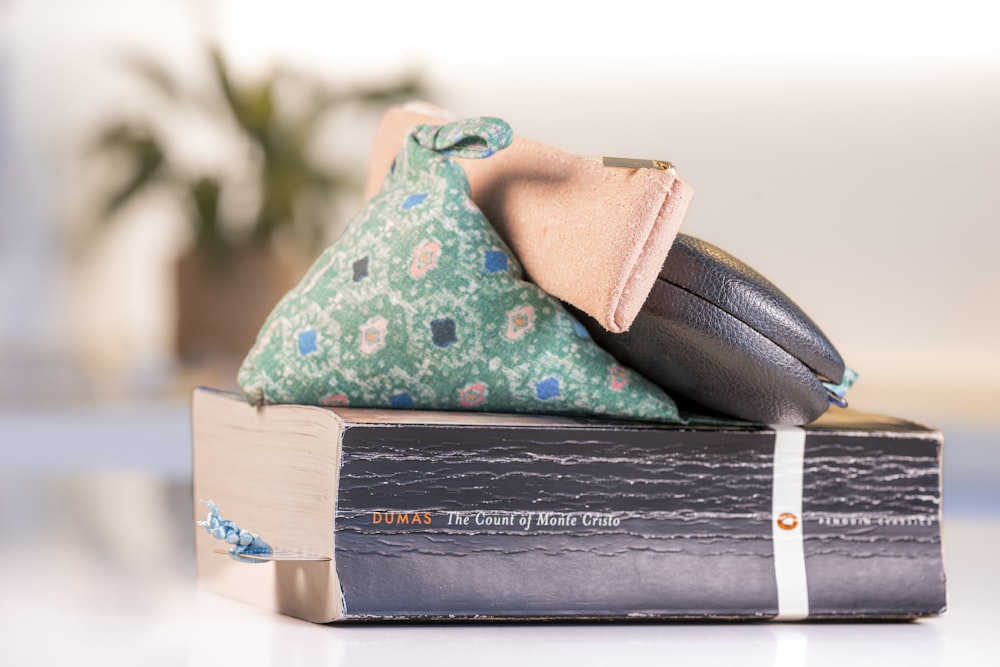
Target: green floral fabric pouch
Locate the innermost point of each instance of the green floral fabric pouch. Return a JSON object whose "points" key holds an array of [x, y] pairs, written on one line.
{"points": [[421, 305]]}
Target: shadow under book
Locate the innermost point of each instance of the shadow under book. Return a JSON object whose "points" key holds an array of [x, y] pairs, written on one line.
{"points": [[426, 515]]}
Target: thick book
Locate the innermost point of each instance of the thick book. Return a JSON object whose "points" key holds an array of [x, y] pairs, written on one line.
{"points": [[409, 515]]}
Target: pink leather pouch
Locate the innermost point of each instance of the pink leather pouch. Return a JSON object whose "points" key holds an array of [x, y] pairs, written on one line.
{"points": [[590, 232]]}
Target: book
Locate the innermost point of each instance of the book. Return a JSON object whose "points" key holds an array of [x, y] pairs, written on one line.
{"points": [[410, 515]]}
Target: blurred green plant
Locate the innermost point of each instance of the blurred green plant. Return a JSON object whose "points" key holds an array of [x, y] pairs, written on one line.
{"points": [[293, 188]]}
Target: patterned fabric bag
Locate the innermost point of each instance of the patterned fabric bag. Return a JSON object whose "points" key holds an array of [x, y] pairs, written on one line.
{"points": [[422, 305]]}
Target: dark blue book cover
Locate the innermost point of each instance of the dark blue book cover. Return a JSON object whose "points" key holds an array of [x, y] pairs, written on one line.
{"points": [[435, 515]]}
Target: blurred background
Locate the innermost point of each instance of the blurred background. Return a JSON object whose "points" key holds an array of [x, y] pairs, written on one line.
{"points": [[154, 154]]}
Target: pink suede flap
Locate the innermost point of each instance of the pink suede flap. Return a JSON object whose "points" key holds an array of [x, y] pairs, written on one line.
{"points": [[593, 236]]}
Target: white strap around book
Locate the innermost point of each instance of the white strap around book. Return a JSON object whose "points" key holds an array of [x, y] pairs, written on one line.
{"points": [[786, 524]]}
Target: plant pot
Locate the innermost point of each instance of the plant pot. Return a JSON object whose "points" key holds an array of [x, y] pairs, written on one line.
{"points": [[221, 305]]}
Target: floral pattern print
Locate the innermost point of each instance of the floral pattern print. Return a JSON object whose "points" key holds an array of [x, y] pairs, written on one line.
{"points": [[425, 257], [472, 395], [619, 377], [334, 401], [373, 335], [519, 322]]}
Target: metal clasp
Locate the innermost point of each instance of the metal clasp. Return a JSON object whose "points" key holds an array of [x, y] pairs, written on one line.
{"points": [[634, 163]]}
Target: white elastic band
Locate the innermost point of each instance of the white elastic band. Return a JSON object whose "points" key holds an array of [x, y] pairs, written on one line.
{"points": [[786, 524]]}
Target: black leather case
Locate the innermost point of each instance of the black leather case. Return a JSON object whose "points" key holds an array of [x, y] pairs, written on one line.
{"points": [[718, 333]]}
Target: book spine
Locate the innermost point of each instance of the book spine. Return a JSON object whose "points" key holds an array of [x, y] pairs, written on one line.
{"points": [[548, 522]]}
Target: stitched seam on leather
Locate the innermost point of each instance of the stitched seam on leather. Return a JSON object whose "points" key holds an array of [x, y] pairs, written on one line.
{"points": [[744, 322]]}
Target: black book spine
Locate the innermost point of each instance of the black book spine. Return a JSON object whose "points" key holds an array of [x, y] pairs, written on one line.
{"points": [[522, 522]]}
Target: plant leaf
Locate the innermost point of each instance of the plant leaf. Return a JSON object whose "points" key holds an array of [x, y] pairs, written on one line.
{"points": [[152, 72], [148, 160]]}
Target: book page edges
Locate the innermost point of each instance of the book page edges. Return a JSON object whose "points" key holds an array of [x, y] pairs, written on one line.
{"points": [[273, 472]]}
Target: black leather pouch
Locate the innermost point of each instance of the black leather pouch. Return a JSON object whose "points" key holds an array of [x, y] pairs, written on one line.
{"points": [[718, 333]]}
